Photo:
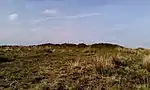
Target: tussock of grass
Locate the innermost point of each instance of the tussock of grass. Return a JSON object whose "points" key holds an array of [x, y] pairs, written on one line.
{"points": [[146, 62], [102, 64]]}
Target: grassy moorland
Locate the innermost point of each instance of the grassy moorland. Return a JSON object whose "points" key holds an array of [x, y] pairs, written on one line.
{"points": [[74, 67]]}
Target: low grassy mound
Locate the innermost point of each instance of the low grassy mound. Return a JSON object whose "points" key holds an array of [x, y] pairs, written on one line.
{"points": [[74, 67]]}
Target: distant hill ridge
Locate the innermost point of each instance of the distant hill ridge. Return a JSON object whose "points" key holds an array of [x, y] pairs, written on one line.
{"points": [[96, 45], [83, 45], [70, 44]]}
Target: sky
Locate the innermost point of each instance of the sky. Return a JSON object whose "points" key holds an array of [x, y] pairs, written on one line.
{"points": [[123, 22]]}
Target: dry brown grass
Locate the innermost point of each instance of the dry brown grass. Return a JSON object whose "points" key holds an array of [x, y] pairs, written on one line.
{"points": [[72, 67], [146, 62], [102, 64]]}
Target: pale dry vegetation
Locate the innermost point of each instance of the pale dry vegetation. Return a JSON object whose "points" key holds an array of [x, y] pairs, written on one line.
{"points": [[146, 62]]}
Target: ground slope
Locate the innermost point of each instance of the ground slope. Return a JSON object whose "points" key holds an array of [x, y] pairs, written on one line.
{"points": [[73, 67]]}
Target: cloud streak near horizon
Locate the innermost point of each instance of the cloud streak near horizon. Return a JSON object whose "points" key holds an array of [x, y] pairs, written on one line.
{"points": [[65, 17]]}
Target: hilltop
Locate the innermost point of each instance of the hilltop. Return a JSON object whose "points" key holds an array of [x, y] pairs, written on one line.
{"points": [[100, 66]]}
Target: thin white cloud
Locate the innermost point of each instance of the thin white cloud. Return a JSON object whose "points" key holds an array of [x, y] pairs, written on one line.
{"points": [[82, 15], [44, 19], [66, 17], [50, 11], [13, 17]]}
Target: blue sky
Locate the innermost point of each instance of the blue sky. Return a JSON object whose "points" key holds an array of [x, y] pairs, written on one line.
{"points": [[125, 22]]}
